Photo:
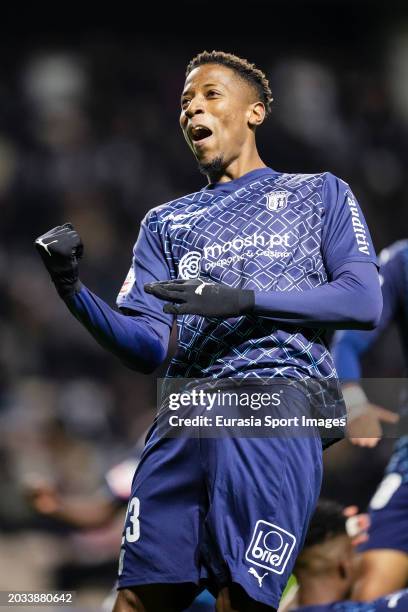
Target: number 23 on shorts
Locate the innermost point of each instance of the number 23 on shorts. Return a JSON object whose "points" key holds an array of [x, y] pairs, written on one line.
{"points": [[133, 530]]}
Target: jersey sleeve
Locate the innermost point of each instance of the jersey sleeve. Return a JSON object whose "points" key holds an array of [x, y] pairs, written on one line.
{"points": [[149, 265], [349, 346], [393, 285], [345, 235]]}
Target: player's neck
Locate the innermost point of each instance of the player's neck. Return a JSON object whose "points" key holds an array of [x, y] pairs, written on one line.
{"points": [[247, 162], [320, 590]]}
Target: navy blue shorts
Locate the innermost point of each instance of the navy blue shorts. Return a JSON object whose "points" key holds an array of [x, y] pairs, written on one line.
{"points": [[389, 506], [213, 511]]}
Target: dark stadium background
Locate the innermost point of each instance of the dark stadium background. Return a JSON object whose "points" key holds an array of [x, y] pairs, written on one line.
{"points": [[89, 133]]}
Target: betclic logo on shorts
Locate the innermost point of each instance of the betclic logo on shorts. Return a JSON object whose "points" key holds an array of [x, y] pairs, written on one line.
{"points": [[270, 547]]}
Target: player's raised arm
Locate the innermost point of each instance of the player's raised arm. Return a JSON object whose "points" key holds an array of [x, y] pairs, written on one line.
{"points": [[139, 335]]}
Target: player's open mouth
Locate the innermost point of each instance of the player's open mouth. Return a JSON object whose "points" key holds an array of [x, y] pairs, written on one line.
{"points": [[198, 133]]}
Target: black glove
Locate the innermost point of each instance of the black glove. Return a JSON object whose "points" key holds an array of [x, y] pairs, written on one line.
{"points": [[200, 297], [60, 250]]}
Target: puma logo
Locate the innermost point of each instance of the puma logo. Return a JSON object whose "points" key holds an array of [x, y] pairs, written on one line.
{"points": [[394, 599], [199, 289], [257, 576], [41, 243]]}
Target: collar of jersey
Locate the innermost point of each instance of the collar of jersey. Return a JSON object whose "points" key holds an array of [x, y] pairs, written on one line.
{"points": [[237, 183]]}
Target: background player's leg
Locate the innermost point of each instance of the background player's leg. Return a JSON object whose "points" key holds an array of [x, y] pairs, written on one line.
{"points": [[223, 603], [154, 597], [128, 601], [234, 599], [382, 572]]}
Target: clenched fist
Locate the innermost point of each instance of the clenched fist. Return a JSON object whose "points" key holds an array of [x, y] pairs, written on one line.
{"points": [[60, 249]]}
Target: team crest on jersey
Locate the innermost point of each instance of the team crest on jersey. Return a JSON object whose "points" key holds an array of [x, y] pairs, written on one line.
{"points": [[277, 200]]}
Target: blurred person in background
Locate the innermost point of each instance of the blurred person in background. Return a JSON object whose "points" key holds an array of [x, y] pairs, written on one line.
{"points": [[85, 512], [327, 568], [225, 99], [384, 566], [96, 511]]}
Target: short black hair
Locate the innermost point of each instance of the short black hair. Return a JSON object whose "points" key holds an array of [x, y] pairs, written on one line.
{"points": [[247, 71], [328, 521]]}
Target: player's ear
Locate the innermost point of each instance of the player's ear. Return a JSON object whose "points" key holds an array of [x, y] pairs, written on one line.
{"points": [[256, 114]]}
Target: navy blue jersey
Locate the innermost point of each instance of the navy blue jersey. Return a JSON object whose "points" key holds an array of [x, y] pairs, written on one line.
{"points": [[394, 277], [399, 460], [394, 283], [388, 507], [397, 602], [349, 345], [265, 231]]}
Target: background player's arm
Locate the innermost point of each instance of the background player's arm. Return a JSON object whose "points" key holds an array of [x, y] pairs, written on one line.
{"points": [[348, 348], [82, 513], [89, 512], [139, 335]]}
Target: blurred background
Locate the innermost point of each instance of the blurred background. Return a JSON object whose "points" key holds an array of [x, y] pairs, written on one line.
{"points": [[89, 133]]}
